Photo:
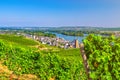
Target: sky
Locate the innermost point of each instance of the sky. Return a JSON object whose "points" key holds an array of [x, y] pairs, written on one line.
{"points": [[48, 13]]}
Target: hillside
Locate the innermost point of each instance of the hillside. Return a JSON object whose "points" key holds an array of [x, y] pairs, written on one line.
{"points": [[20, 40], [22, 60]]}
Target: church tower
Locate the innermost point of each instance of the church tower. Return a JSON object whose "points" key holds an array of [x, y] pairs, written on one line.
{"points": [[76, 43]]}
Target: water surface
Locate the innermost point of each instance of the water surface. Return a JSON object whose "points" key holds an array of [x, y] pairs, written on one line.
{"points": [[70, 38]]}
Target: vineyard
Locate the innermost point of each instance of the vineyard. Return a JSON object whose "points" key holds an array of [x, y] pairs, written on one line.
{"points": [[103, 56], [27, 60]]}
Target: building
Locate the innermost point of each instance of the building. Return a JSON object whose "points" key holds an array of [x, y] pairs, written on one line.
{"points": [[76, 43]]}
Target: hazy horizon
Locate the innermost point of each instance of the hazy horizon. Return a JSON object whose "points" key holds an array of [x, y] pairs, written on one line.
{"points": [[54, 13]]}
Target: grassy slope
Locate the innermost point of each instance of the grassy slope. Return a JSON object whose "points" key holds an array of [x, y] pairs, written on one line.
{"points": [[73, 54], [20, 40], [70, 53]]}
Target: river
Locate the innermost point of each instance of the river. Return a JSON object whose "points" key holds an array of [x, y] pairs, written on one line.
{"points": [[70, 38]]}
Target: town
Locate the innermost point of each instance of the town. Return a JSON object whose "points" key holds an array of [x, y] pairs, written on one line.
{"points": [[58, 42]]}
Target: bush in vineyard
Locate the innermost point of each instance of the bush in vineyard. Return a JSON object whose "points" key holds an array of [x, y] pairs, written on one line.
{"points": [[103, 55]]}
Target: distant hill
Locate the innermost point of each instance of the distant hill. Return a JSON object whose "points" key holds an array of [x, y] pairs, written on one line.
{"points": [[63, 28]]}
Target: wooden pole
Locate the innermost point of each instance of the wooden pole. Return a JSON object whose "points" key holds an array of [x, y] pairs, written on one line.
{"points": [[82, 52]]}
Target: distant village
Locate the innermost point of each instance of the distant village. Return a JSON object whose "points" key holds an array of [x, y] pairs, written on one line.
{"points": [[59, 42]]}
